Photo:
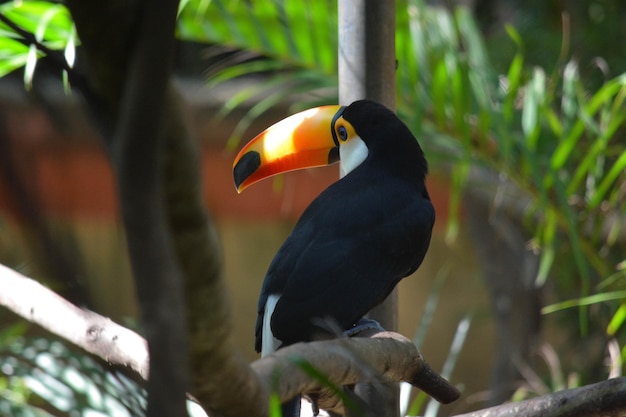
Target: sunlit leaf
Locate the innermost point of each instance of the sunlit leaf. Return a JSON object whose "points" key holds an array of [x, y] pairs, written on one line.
{"points": [[618, 168], [569, 104], [584, 301], [325, 382], [514, 35], [617, 321], [440, 92], [533, 104], [13, 55], [548, 248], [514, 79], [274, 405], [29, 69]]}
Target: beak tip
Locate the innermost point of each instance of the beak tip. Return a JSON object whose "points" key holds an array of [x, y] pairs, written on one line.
{"points": [[245, 165]]}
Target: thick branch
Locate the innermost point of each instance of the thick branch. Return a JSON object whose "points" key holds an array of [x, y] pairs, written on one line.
{"points": [[96, 334], [387, 356], [138, 147], [130, 72], [220, 375], [603, 399]]}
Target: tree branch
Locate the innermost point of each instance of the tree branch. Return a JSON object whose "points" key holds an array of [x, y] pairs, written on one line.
{"points": [[90, 331], [603, 399], [129, 70], [220, 375], [137, 152], [384, 357]]}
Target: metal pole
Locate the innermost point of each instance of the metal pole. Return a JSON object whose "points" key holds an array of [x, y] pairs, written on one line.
{"points": [[367, 69], [367, 56]]}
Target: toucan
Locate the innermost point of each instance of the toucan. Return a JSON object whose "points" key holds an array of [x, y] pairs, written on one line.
{"points": [[359, 237]]}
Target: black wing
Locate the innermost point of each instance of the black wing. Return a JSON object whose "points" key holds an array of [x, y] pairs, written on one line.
{"points": [[346, 254]]}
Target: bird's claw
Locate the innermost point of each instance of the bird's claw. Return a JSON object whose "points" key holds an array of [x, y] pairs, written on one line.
{"points": [[364, 324]]}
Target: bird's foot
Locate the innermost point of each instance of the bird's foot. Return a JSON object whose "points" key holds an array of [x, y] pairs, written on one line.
{"points": [[364, 324]]}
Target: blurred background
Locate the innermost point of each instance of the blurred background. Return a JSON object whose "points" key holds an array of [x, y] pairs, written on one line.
{"points": [[518, 104]]}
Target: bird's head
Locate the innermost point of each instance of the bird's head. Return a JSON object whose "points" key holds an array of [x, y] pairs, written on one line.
{"points": [[322, 136]]}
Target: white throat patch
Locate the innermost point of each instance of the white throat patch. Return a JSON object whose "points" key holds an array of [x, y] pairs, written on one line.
{"points": [[351, 154]]}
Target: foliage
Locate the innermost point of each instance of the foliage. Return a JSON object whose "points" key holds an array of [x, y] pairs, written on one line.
{"points": [[289, 48], [560, 145], [42, 377], [50, 25]]}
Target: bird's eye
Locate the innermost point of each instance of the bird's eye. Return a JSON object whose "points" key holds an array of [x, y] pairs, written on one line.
{"points": [[343, 133]]}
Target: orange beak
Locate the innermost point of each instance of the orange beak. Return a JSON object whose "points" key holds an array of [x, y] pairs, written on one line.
{"points": [[304, 140]]}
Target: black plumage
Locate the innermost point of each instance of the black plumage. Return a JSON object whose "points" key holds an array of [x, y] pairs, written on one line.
{"points": [[357, 239]]}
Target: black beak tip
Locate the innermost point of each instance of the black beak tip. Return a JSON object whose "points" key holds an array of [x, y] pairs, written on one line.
{"points": [[333, 155], [246, 166]]}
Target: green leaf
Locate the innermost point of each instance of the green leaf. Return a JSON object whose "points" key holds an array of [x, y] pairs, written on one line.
{"points": [[533, 105], [584, 301], [548, 247], [439, 93], [418, 404], [327, 383], [49, 22], [459, 175], [514, 79], [29, 69], [460, 101], [614, 278], [569, 141], [514, 35], [617, 321], [274, 405], [569, 104], [51, 25], [616, 170], [13, 55], [597, 151]]}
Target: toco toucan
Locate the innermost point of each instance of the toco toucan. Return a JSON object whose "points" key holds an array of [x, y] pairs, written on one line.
{"points": [[359, 237]]}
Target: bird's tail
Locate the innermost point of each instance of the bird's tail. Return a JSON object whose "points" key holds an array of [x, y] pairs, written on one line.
{"points": [[291, 408]]}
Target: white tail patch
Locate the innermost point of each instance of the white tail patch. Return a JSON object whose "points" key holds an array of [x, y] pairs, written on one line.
{"points": [[269, 343]]}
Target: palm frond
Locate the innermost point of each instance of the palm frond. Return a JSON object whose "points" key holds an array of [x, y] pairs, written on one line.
{"points": [[50, 25]]}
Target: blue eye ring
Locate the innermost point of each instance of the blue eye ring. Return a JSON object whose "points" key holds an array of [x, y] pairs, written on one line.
{"points": [[342, 132]]}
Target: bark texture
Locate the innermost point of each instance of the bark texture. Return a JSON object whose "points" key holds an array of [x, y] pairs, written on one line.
{"points": [[603, 399]]}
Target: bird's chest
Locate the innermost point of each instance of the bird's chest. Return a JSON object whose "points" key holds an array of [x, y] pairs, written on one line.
{"points": [[360, 206]]}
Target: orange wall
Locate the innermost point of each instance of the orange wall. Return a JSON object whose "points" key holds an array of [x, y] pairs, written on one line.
{"points": [[75, 181]]}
